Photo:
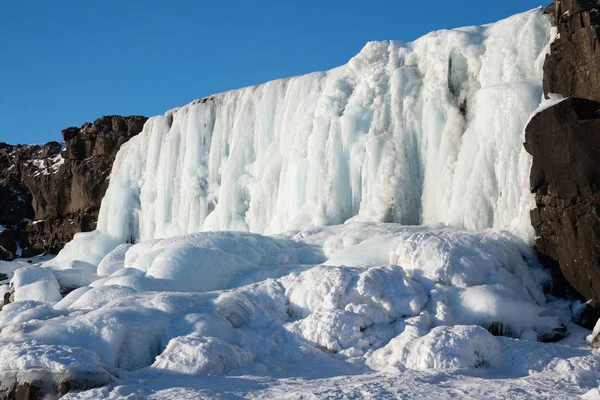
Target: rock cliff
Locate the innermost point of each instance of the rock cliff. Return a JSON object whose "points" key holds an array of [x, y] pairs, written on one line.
{"points": [[565, 143], [48, 193]]}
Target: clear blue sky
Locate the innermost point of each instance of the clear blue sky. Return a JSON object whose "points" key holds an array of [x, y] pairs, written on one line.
{"points": [[66, 62]]}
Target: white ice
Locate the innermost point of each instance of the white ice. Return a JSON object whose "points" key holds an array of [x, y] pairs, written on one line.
{"points": [[423, 132]]}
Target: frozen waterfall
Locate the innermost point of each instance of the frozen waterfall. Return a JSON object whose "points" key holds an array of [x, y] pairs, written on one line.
{"points": [[415, 133]]}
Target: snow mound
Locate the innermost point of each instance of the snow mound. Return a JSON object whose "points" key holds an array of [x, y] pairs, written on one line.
{"points": [[113, 261], [55, 359], [443, 347], [36, 284], [200, 355], [423, 132], [204, 262], [381, 294]]}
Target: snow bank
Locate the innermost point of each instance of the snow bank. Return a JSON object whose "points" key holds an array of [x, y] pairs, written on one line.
{"points": [[195, 355], [204, 261]]}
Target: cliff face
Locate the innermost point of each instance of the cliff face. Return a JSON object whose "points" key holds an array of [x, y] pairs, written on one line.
{"points": [[565, 143], [48, 193]]}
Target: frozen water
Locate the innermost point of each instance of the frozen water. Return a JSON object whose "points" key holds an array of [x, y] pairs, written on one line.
{"points": [[422, 132]]}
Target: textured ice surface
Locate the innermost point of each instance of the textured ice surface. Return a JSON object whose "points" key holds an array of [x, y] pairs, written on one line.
{"points": [[429, 131]]}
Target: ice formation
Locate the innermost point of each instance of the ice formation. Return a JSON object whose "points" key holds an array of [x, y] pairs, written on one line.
{"points": [[365, 220], [423, 132]]}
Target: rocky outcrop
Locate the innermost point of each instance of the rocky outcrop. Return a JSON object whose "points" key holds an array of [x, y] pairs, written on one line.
{"points": [[564, 141], [573, 66], [48, 193], [565, 176]]}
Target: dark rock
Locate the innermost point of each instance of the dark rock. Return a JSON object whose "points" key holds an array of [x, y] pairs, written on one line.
{"points": [[45, 198], [8, 245], [70, 133], [29, 391], [51, 149], [564, 141], [572, 68], [64, 387], [551, 10]]}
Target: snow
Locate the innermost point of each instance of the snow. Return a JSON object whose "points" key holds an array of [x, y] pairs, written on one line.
{"points": [[37, 284], [421, 301], [361, 232], [442, 348]]}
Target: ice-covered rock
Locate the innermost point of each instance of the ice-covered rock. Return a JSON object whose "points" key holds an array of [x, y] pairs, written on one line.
{"points": [[35, 283], [200, 355], [429, 131], [443, 347]]}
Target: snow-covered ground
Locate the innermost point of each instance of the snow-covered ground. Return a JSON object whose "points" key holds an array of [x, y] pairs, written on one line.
{"points": [[360, 310], [394, 192]]}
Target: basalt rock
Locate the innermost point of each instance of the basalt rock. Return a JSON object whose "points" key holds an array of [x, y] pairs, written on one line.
{"points": [[48, 193], [572, 68], [564, 141]]}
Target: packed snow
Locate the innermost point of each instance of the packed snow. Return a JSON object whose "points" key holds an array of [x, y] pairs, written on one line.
{"points": [[357, 233]]}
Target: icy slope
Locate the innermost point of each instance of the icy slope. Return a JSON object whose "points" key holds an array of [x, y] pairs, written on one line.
{"points": [[429, 131]]}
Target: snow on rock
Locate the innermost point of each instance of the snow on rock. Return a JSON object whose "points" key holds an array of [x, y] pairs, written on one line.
{"points": [[35, 283], [49, 368], [56, 359], [443, 347], [200, 355], [429, 131]]}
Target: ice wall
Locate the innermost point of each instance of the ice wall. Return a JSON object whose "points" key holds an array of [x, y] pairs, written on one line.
{"points": [[423, 132]]}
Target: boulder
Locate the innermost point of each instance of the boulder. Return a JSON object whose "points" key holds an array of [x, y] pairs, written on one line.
{"points": [[564, 141]]}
